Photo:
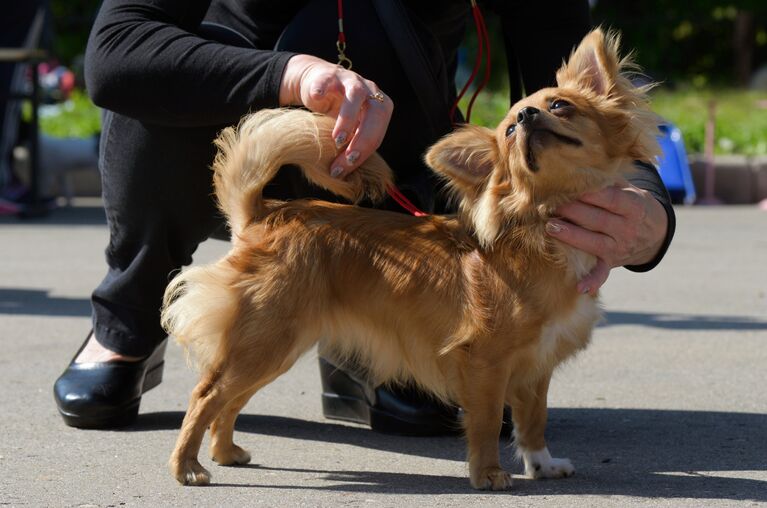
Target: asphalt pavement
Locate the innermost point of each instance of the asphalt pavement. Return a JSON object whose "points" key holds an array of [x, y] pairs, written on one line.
{"points": [[667, 407]]}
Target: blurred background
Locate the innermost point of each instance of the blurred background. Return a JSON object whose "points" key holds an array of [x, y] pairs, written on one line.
{"points": [[709, 58]]}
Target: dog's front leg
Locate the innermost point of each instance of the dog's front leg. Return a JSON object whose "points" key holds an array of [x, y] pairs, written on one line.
{"points": [[529, 414], [482, 402]]}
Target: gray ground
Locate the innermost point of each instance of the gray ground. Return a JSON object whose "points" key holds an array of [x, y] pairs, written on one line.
{"points": [[666, 408]]}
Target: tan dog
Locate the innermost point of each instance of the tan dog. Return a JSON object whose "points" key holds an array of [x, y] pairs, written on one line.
{"points": [[478, 309]]}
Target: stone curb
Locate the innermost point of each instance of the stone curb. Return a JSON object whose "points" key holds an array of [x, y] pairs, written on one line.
{"points": [[737, 179]]}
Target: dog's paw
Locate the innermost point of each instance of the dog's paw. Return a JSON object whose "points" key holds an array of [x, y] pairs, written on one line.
{"points": [[233, 456], [190, 472], [540, 464], [491, 478]]}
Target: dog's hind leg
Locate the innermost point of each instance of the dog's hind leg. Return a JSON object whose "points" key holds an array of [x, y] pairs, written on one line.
{"points": [[222, 447], [482, 402], [529, 414], [252, 360], [216, 400], [208, 399]]}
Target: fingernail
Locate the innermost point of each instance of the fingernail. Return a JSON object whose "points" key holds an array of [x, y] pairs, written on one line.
{"points": [[336, 171], [340, 139], [554, 227], [352, 157]]}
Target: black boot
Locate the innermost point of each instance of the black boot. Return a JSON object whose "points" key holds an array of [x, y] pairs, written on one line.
{"points": [[405, 411]]}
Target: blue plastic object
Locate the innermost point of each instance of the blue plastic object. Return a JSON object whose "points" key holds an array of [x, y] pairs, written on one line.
{"points": [[673, 167]]}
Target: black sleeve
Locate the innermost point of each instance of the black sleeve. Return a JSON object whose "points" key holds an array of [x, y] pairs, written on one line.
{"points": [[647, 178], [143, 60]]}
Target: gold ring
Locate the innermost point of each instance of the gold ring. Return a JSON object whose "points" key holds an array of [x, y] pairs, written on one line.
{"points": [[378, 96]]}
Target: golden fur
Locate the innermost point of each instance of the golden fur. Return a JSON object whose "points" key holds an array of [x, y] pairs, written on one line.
{"points": [[477, 309]]}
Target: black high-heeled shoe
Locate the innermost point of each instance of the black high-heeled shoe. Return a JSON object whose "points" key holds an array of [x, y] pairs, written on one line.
{"points": [[103, 395], [405, 411]]}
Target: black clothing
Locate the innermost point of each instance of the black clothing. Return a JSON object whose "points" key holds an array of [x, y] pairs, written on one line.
{"points": [[169, 85]]}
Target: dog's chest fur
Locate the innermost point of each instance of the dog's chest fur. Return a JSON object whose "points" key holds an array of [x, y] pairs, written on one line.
{"points": [[569, 331]]}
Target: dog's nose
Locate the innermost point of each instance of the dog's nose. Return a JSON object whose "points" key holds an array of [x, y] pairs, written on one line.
{"points": [[527, 114]]}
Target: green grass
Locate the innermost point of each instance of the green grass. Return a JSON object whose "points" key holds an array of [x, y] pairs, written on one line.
{"points": [[741, 116]]}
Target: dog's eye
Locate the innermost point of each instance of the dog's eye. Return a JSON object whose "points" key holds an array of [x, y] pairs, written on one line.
{"points": [[558, 104], [510, 129]]}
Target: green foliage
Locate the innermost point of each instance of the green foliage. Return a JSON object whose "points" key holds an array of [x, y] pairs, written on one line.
{"points": [[77, 117], [489, 108], [691, 42]]}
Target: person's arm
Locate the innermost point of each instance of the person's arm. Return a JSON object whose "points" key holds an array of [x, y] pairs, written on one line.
{"points": [[144, 60], [647, 178]]}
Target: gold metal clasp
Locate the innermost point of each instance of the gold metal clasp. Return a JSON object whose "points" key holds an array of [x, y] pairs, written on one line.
{"points": [[343, 60]]}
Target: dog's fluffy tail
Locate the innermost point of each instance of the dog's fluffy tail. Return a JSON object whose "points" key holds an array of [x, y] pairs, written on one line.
{"points": [[251, 154], [198, 308]]}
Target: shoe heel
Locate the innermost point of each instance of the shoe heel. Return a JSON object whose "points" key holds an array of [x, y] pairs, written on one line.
{"points": [[127, 415], [349, 409], [153, 377], [155, 367], [342, 397]]}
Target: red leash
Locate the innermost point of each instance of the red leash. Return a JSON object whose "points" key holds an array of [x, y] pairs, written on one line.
{"points": [[404, 202], [483, 49]]}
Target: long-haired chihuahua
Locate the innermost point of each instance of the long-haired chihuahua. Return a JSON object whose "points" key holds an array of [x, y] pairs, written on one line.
{"points": [[478, 308]]}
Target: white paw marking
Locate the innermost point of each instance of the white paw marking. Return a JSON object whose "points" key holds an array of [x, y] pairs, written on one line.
{"points": [[540, 464]]}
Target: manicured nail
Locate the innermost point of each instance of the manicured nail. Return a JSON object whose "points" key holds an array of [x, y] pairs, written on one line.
{"points": [[352, 157], [554, 227], [340, 139], [336, 171]]}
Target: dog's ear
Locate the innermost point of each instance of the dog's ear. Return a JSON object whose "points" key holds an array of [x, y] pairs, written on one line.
{"points": [[594, 65], [597, 67], [466, 157]]}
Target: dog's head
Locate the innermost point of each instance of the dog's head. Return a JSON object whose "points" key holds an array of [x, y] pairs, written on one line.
{"points": [[553, 145]]}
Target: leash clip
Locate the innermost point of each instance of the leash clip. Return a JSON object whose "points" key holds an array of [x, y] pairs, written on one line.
{"points": [[343, 60]]}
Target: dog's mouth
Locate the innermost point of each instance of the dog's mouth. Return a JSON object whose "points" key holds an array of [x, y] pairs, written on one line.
{"points": [[536, 134]]}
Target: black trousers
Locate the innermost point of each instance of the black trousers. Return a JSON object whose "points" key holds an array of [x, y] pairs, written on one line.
{"points": [[157, 196], [157, 187]]}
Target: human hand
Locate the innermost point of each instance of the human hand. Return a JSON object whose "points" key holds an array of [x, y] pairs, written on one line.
{"points": [[330, 89], [620, 225]]}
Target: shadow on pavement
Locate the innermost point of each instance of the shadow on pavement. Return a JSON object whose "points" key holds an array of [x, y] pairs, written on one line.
{"points": [[38, 302], [644, 453], [68, 216], [366, 481], [684, 321]]}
